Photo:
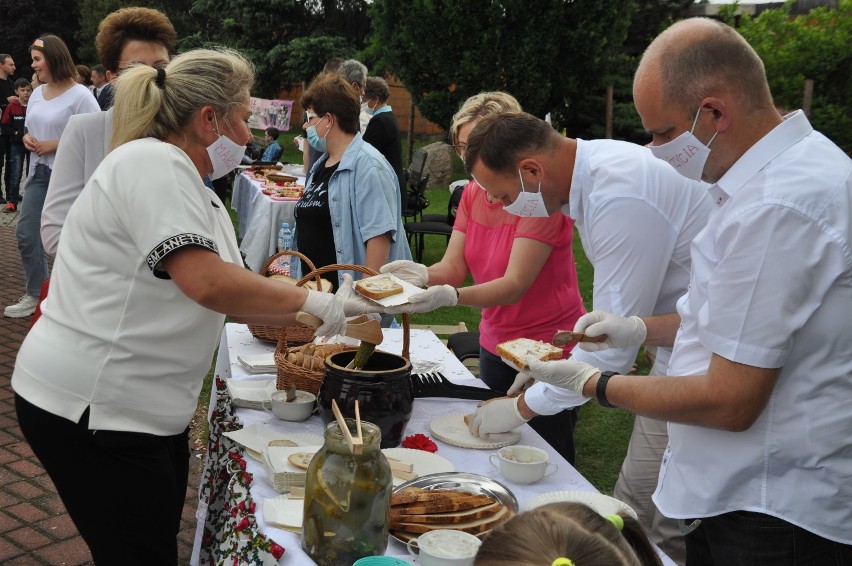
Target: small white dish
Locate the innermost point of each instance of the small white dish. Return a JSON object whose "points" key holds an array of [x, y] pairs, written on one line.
{"points": [[296, 410], [424, 463], [451, 428], [603, 504]]}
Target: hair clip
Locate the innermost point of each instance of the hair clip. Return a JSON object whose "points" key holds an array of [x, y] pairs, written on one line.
{"points": [[617, 521], [562, 561], [38, 43]]}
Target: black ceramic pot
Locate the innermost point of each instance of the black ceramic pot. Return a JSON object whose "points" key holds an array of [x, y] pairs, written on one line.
{"points": [[382, 388]]}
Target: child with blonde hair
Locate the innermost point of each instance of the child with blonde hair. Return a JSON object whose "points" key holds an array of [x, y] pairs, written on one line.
{"points": [[567, 534]]}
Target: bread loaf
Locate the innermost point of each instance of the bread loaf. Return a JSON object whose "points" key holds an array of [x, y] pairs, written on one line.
{"points": [[516, 351], [378, 287]]}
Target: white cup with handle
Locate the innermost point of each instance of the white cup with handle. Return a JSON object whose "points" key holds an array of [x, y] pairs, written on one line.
{"points": [[523, 464], [445, 547]]}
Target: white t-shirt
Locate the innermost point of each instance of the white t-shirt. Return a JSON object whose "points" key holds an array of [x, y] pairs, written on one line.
{"points": [[772, 288], [46, 119], [116, 335], [636, 217]]}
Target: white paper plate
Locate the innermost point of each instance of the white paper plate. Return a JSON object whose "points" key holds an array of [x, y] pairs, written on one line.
{"points": [[424, 462], [451, 428], [603, 504], [400, 298], [250, 393], [256, 437]]}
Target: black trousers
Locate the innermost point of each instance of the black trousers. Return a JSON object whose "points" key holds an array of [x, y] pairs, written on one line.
{"points": [[124, 491], [557, 430]]}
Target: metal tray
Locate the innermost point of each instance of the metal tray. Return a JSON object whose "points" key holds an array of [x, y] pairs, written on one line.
{"points": [[462, 481]]}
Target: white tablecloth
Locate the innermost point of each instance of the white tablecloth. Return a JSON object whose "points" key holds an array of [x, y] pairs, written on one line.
{"points": [[259, 218], [237, 340]]}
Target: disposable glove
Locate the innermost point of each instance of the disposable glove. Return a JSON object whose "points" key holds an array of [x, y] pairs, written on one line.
{"points": [[567, 374], [414, 273], [523, 381], [353, 303], [426, 301], [328, 308], [621, 332], [495, 416]]}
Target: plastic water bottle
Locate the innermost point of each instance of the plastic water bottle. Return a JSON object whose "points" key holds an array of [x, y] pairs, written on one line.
{"points": [[285, 242]]}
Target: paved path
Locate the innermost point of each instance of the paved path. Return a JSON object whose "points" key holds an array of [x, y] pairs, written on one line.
{"points": [[35, 529]]}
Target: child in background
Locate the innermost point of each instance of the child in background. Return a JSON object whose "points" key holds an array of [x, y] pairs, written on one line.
{"points": [[13, 126], [567, 534], [273, 150]]}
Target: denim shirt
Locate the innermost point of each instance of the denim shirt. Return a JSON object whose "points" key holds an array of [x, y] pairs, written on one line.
{"points": [[364, 202]]}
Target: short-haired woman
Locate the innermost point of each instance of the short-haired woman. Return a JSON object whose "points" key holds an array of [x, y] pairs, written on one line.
{"points": [[48, 111], [108, 378], [351, 210]]}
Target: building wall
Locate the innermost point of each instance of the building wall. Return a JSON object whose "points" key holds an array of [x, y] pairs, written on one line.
{"points": [[399, 100]]}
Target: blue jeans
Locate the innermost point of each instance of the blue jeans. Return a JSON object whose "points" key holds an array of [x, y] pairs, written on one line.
{"points": [[17, 155], [744, 538], [28, 230], [557, 430]]}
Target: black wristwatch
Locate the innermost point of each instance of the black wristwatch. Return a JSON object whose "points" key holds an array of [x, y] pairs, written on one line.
{"points": [[600, 389]]}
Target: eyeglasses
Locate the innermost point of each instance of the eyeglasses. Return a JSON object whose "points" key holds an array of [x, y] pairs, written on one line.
{"points": [[310, 116]]}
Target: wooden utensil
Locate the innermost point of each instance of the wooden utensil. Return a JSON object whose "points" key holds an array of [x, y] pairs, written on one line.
{"points": [[563, 338], [361, 328], [356, 445]]}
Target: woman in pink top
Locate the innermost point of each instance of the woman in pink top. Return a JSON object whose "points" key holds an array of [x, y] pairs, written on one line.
{"points": [[526, 281]]}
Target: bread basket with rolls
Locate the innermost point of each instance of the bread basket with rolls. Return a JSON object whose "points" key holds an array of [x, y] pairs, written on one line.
{"points": [[299, 334], [303, 366]]}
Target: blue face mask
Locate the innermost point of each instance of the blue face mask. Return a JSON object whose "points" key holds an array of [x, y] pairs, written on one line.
{"points": [[317, 142]]}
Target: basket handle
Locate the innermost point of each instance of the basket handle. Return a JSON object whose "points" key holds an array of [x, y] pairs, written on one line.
{"points": [[406, 322], [265, 270]]}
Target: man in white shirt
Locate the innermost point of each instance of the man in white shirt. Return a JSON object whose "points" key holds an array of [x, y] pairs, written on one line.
{"points": [[759, 443]]}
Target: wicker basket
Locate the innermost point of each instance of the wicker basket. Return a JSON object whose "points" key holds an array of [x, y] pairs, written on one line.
{"points": [[309, 379], [299, 334]]}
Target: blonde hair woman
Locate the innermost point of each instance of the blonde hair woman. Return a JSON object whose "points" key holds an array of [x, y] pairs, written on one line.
{"points": [[526, 282], [147, 269]]}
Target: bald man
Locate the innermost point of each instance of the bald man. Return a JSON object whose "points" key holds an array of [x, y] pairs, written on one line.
{"points": [[759, 462]]}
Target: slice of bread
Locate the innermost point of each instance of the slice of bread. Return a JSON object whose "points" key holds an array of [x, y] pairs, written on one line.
{"points": [[378, 287], [472, 526], [516, 351], [453, 516]]}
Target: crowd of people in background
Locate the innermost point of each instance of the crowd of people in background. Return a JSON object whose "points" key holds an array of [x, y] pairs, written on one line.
{"points": [[741, 460]]}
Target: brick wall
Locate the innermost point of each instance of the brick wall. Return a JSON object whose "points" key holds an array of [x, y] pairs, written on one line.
{"points": [[400, 100]]}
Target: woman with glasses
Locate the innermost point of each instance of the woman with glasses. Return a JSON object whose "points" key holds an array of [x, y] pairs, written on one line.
{"points": [[351, 210], [526, 281]]}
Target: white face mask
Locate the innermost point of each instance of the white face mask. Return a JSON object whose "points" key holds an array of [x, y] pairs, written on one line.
{"points": [[365, 107], [685, 153], [225, 154], [528, 205]]}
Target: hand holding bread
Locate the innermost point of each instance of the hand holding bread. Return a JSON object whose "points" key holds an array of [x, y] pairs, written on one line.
{"points": [[353, 303], [415, 273], [620, 332], [329, 309], [566, 374], [495, 416], [428, 300]]}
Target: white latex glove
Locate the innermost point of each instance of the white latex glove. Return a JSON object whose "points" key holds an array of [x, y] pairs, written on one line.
{"points": [[353, 303], [523, 381], [426, 301], [328, 308], [495, 416], [414, 273], [621, 332], [567, 374]]}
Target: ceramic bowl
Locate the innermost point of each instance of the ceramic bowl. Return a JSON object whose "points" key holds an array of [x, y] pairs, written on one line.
{"points": [[297, 410]]}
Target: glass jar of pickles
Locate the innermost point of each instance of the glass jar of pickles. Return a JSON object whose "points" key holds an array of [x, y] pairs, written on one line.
{"points": [[347, 498]]}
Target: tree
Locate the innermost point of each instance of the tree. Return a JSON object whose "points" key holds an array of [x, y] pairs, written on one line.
{"points": [[444, 51], [263, 29], [25, 20], [810, 46]]}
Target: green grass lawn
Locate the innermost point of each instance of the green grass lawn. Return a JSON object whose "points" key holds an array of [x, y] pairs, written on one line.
{"points": [[602, 434]]}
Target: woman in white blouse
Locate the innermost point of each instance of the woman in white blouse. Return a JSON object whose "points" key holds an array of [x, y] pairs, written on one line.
{"points": [[148, 266]]}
